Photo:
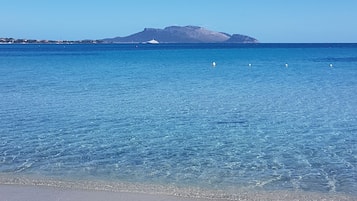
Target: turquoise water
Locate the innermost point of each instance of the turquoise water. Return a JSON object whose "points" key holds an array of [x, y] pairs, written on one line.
{"points": [[163, 115]]}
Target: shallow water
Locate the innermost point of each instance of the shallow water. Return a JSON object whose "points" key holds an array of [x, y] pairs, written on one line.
{"points": [[163, 115]]}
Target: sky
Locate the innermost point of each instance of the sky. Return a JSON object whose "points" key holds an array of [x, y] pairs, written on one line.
{"points": [[270, 21]]}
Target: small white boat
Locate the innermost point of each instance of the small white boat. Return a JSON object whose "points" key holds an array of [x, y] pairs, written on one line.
{"points": [[153, 41]]}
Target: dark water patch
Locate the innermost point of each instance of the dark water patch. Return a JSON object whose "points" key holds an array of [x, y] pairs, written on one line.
{"points": [[336, 59], [232, 122], [45, 54], [165, 46], [236, 122]]}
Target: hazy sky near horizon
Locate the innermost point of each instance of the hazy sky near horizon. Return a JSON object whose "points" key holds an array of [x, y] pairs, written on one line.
{"points": [[269, 21]]}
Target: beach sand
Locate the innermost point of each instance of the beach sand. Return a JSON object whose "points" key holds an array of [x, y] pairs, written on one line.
{"points": [[45, 193], [41, 193], [18, 188]]}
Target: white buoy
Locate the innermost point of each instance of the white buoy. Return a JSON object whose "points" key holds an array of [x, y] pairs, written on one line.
{"points": [[214, 64], [331, 65], [250, 65], [286, 65]]}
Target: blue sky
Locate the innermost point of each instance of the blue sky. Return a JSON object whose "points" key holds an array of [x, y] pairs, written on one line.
{"points": [[268, 20]]}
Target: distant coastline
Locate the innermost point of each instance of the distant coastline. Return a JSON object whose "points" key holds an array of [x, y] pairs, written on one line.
{"points": [[32, 41], [168, 35]]}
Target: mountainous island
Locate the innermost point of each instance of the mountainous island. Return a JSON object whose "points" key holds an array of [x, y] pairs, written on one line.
{"points": [[181, 34], [171, 34]]}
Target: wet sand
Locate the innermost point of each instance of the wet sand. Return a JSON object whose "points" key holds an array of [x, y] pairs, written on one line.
{"points": [[41, 193], [45, 193], [24, 188]]}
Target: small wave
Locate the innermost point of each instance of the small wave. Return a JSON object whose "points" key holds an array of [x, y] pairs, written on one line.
{"points": [[26, 165]]}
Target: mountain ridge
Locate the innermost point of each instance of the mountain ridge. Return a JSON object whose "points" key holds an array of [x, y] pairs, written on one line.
{"points": [[181, 34]]}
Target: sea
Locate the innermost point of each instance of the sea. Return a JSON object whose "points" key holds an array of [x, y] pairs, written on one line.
{"points": [[270, 117]]}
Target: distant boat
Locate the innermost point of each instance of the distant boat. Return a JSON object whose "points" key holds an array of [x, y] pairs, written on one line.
{"points": [[153, 41]]}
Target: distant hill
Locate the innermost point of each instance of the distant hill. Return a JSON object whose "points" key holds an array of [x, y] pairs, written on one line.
{"points": [[181, 34]]}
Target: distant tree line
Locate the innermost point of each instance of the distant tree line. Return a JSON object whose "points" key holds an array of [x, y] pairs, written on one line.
{"points": [[30, 41]]}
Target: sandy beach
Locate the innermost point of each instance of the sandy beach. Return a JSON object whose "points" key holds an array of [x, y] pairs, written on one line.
{"points": [[40, 193], [25, 188], [44, 193]]}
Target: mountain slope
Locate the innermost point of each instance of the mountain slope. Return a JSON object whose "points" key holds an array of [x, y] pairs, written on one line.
{"points": [[185, 34]]}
